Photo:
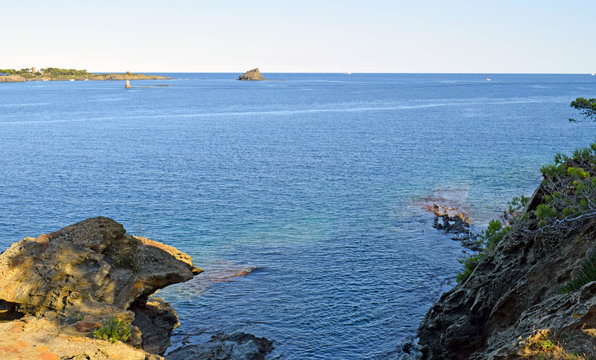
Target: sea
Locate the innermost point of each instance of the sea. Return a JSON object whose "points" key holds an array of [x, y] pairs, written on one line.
{"points": [[304, 198]]}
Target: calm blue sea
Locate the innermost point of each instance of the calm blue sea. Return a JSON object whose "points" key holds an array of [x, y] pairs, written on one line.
{"points": [[319, 181]]}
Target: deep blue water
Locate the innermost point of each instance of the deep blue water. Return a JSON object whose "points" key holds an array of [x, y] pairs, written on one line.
{"points": [[318, 180]]}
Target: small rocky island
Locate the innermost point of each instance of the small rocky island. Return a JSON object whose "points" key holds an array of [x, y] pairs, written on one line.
{"points": [[56, 74], [84, 293], [252, 75]]}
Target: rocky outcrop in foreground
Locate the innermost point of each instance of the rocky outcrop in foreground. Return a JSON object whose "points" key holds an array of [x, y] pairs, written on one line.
{"points": [[252, 75], [517, 303], [59, 287]]}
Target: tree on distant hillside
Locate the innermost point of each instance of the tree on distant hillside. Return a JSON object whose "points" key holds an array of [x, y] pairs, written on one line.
{"points": [[586, 106]]}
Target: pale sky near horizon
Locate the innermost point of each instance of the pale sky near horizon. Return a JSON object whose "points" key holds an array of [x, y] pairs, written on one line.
{"points": [[456, 36]]}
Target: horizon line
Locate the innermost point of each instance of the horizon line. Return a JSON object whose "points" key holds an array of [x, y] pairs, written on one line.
{"points": [[353, 72]]}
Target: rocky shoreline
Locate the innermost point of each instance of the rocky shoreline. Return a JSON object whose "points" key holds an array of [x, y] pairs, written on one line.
{"points": [[87, 77], [531, 292], [59, 290]]}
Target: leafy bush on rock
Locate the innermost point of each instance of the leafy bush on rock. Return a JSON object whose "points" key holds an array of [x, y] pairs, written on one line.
{"points": [[113, 330]]}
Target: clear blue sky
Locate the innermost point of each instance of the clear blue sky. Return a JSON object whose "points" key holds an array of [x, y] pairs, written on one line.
{"points": [[532, 36]]}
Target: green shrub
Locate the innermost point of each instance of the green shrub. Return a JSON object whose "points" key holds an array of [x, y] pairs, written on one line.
{"points": [[470, 265], [586, 275], [542, 345], [569, 185], [493, 235], [113, 330], [545, 212]]}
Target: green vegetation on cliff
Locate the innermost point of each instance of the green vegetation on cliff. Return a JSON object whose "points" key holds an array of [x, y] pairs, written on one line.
{"points": [[567, 194]]}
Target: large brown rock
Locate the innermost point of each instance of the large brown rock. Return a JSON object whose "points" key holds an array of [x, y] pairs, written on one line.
{"points": [[93, 267], [85, 273], [252, 75]]}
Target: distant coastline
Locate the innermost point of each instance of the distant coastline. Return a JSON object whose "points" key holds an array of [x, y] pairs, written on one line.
{"points": [[56, 74]]}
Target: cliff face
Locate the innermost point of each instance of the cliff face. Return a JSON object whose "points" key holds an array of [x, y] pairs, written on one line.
{"points": [[57, 288], [510, 307]]}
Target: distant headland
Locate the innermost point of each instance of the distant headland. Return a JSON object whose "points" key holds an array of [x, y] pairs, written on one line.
{"points": [[56, 74]]}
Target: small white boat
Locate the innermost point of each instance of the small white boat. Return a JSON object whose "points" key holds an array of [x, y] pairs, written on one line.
{"points": [[593, 74], [489, 79], [71, 80], [348, 73]]}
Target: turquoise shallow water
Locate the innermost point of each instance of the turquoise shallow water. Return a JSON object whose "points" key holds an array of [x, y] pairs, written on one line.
{"points": [[317, 180]]}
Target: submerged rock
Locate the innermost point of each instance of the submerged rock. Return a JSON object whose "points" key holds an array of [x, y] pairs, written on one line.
{"points": [[238, 346], [455, 221], [252, 75], [72, 280], [450, 219]]}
